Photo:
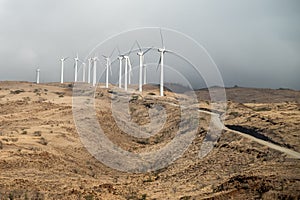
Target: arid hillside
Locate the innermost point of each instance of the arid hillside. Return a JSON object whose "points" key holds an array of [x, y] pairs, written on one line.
{"points": [[42, 157]]}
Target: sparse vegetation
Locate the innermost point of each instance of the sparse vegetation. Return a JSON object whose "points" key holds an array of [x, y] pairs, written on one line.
{"points": [[89, 197], [235, 114], [43, 141], [144, 197], [17, 91], [58, 165], [185, 198], [37, 133], [60, 94], [259, 109]]}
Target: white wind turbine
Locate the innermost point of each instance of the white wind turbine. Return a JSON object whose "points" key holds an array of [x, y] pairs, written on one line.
{"points": [[108, 67], [120, 58], [83, 71], [127, 75], [162, 51], [141, 58], [37, 75], [89, 69], [120, 70], [76, 67], [128, 65], [62, 69], [95, 59]]}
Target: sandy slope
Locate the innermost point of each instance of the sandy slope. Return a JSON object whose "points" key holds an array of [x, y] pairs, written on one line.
{"points": [[41, 156]]}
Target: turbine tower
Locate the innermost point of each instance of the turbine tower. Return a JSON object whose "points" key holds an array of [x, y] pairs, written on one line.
{"points": [[108, 66], [89, 69], [162, 51], [76, 67], [127, 75], [62, 69], [95, 59], [37, 75], [120, 70], [120, 57], [128, 64], [83, 71], [141, 58]]}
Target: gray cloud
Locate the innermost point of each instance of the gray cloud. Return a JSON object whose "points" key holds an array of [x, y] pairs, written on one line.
{"points": [[254, 43]]}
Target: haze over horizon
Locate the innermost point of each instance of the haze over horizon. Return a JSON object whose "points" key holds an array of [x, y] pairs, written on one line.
{"points": [[254, 43]]}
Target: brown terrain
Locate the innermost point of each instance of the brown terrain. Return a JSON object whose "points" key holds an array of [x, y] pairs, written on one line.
{"points": [[42, 157]]}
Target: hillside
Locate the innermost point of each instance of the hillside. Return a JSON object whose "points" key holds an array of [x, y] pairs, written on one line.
{"points": [[42, 157]]}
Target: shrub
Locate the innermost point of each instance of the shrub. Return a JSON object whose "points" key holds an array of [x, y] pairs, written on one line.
{"points": [[263, 109], [16, 91], [89, 197], [235, 114], [144, 196], [43, 141], [37, 133]]}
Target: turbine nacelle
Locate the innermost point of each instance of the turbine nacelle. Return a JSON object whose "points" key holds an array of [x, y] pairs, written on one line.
{"points": [[140, 53], [161, 50]]}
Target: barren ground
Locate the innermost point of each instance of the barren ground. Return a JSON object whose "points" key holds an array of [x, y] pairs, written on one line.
{"points": [[42, 157]]}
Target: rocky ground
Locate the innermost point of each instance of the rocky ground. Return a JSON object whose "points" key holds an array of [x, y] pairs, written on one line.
{"points": [[42, 157]]}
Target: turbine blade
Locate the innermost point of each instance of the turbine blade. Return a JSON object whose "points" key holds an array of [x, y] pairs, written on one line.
{"points": [[112, 52], [131, 49], [161, 37], [158, 63], [147, 50], [129, 63], [119, 52], [138, 45]]}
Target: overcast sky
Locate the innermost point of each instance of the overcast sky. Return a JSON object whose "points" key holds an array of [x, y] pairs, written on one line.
{"points": [[255, 43]]}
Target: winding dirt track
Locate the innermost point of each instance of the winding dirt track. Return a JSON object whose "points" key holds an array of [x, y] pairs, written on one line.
{"points": [[290, 153]]}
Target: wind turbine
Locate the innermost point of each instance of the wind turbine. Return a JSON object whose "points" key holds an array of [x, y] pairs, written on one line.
{"points": [[108, 66], [162, 51], [83, 71], [37, 75], [120, 58], [76, 67], [95, 59], [127, 75], [62, 69], [141, 58], [89, 69], [128, 64]]}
